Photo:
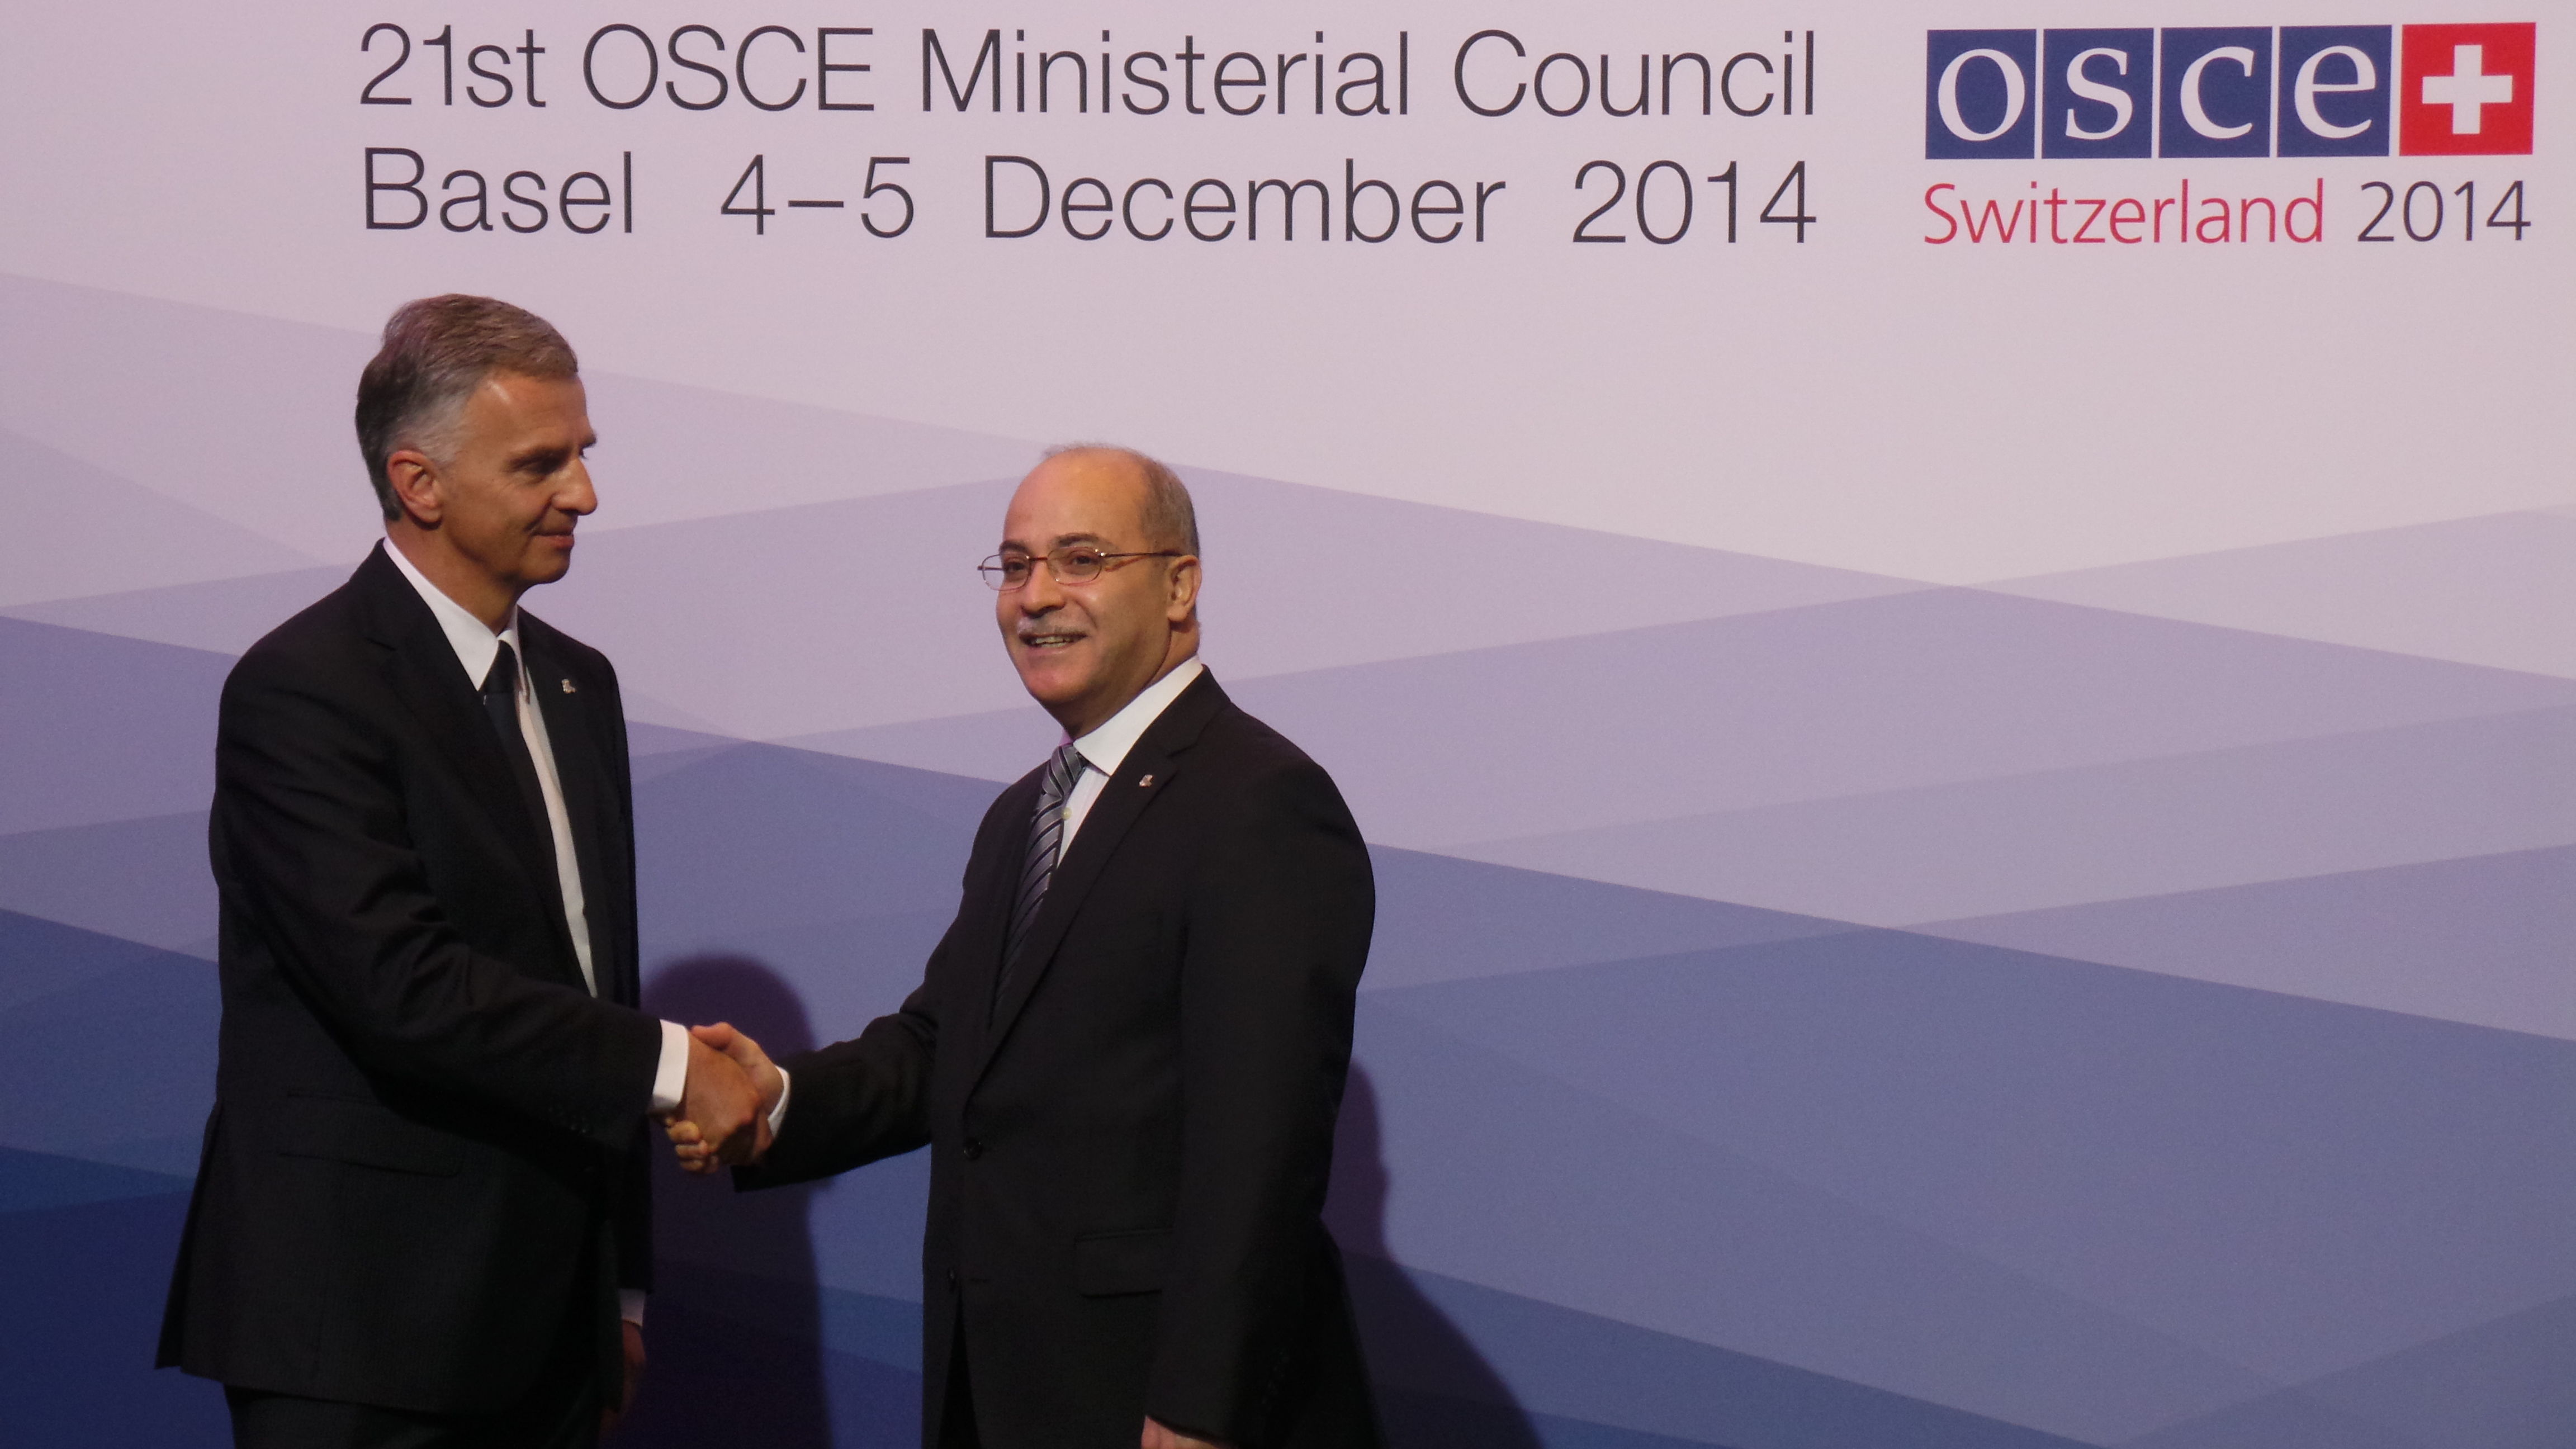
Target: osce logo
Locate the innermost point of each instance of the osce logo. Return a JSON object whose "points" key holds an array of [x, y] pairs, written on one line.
{"points": [[2300, 90]]}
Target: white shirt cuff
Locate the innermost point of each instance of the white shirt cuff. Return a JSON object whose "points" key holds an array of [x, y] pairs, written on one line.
{"points": [[671, 1078], [630, 1305], [778, 1114]]}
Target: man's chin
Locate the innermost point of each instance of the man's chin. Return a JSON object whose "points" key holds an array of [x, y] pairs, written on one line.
{"points": [[547, 565], [1052, 681]]}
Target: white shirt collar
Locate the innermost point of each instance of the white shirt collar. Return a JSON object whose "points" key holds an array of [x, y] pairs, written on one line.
{"points": [[1105, 748], [476, 646]]}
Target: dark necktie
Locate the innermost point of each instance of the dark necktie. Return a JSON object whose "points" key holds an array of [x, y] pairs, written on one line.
{"points": [[1046, 836], [501, 704]]}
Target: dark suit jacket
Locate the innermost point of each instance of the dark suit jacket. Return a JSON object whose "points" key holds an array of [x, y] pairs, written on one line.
{"points": [[1129, 1147], [427, 1155]]}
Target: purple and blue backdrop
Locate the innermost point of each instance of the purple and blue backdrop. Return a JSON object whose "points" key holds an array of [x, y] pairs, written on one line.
{"points": [[1958, 647]]}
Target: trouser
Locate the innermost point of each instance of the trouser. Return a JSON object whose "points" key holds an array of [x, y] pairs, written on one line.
{"points": [[561, 1413]]}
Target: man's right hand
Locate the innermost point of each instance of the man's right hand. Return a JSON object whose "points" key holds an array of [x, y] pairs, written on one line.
{"points": [[721, 1111], [766, 1079]]}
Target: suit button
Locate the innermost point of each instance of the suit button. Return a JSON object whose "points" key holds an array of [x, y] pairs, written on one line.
{"points": [[974, 1148]]}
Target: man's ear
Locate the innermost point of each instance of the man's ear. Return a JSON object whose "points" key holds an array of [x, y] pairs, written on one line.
{"points": [[416, 485], [1185, 589]]}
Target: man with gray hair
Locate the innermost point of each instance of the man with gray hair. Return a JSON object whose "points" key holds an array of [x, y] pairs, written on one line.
{"points": [[421, 1215]]}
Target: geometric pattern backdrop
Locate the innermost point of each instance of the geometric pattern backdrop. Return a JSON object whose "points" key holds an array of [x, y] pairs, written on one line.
{"points": [[1808, 1009]]}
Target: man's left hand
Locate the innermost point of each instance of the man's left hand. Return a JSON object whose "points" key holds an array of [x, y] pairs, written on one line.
{"points": [[634, 1343], [1158, 1437]]}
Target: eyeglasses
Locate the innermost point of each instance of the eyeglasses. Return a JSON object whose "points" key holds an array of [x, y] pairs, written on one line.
{"points": [[1075, 565]]}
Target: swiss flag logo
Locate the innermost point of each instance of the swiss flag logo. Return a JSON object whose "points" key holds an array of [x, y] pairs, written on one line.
{"points": [[2465, 90]]}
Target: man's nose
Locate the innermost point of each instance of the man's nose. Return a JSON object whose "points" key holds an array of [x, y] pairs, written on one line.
{"points": [[577, 497], [1041, 593]]}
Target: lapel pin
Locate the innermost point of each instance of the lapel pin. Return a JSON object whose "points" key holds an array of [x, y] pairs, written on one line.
{"points": [[1144, 783], [567, 686]]}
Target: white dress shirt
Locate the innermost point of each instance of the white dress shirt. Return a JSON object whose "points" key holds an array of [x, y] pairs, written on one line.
{"points": [[1105, 748], [476, 647]]}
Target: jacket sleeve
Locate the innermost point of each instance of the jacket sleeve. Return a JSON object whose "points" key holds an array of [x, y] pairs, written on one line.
{"points": [[868, 1098], [1278, 931], [635, 1199], [312, 841], [857, 1101]]}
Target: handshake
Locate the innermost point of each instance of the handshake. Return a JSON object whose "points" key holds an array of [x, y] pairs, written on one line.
{"points": [[732, 1092]]}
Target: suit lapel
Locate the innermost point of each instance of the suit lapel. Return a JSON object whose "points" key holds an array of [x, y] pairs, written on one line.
{"points": [[993, 874], [583, 775], [1141, 779]]}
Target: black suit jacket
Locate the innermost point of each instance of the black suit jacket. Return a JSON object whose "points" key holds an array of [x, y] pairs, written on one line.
{"points": [[1130, 1142], [427, 1157]]}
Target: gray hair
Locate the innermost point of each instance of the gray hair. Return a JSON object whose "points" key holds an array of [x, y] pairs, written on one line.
{"points": [[1171, 520], [436, 351]]}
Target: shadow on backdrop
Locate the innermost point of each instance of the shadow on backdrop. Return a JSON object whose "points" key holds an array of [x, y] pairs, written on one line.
{"points": [[734, 1335], [1434, 1390], [735, 1327]]}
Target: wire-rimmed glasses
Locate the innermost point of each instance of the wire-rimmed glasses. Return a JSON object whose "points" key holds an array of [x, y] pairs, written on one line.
{"points": [[1073, 564]]}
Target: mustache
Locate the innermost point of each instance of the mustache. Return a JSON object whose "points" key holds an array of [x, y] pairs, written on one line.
{"points": [[1054, 621]]}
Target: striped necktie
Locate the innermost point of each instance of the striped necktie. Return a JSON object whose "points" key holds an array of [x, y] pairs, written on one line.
{"points": [[1046, 838]]}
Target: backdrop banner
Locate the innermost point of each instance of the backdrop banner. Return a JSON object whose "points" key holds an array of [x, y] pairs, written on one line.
{"points": [[1954, 626]]}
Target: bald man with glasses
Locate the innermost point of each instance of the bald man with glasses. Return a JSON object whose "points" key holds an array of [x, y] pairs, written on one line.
{"points": [[1127, 1054]]}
